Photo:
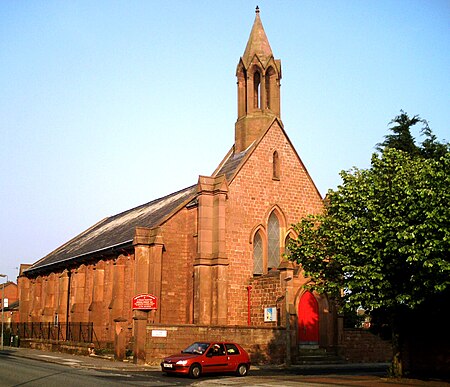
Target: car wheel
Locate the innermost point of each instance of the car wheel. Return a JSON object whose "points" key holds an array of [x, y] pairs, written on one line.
{"points": [[242, 370], [195, 371]]}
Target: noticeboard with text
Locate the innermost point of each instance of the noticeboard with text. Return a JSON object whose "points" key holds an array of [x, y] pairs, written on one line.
{"points": [[145, 302], [270, 314]]}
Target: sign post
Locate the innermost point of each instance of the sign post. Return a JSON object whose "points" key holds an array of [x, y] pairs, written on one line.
{"points": [[3, 304]]}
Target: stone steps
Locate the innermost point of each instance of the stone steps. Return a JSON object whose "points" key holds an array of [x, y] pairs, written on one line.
{"points": [[313, 355]]}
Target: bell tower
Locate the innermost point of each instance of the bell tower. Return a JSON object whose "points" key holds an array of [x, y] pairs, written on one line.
{"points": [[258, 80]]}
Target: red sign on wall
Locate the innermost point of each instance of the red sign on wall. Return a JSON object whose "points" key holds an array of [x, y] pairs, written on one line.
{"points": [[145, 302]]}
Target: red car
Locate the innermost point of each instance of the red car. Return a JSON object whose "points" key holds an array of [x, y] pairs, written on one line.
{"points": [[208, 357]]}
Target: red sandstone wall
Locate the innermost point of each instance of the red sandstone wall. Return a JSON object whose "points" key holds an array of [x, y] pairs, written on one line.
{"points": [[99, 293], [252, 194], [266, 291], [264, 345], [179, 235], [361, 346]]}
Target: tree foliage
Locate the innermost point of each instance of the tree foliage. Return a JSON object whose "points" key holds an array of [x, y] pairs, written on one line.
{"points": [[401, 138], [383, 240]]}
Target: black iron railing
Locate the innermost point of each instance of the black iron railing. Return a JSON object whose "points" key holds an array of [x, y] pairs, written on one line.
{"points": [[75, 332]]}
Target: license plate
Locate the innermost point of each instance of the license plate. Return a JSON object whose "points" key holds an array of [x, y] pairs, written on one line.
{"points": [[167, 365]]}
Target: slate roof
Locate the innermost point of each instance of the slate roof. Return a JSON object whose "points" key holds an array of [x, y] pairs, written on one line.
{"points": [[13, 306], [231, 164], [117, 230]]}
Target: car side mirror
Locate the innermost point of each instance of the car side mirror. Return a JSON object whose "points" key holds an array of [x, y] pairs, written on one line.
{"points": [[209, 354]]}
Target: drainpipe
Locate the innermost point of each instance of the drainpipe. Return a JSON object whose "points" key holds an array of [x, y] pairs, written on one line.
{"points": [[68, 305], [249, 304]]}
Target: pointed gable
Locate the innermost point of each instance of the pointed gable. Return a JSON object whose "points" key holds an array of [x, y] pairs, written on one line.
{"points": [[234, 161]]}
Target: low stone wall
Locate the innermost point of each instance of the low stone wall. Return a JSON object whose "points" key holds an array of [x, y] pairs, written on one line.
{"points": [[362, 346], [58, 346], [264, 345]]}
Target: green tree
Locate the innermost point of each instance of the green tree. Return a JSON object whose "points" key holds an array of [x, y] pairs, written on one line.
{"points": [[401, 138], [383, 240], [431, 148]]}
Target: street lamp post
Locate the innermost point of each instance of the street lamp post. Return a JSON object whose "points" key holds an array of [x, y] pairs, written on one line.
{"points": [[3, 304], [288, 325]]}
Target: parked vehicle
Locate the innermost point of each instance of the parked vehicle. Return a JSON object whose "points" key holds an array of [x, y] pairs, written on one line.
{"points": [[208, 357]]}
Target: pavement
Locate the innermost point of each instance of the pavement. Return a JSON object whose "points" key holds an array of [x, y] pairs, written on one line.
{"points": [[311, 375], [79, 361]]}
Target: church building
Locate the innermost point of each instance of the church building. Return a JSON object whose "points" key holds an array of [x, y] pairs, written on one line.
{"points": [[206, 262]]}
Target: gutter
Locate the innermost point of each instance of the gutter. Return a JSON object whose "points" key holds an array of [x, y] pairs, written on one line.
{"points": [[71, 259]]}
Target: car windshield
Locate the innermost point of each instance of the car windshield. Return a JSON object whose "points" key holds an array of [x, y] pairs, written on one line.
{"points": [[198, 348]]}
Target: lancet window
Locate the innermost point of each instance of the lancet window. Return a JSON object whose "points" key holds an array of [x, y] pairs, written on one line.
{"points": [[273, 231], [257, 90], [275, 166], [258, 264]]}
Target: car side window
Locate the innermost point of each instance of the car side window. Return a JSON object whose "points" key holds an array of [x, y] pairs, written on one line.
{"points": [[232, 349], [217, 350]]}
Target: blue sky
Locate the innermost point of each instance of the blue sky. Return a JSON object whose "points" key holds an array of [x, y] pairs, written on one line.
{"points": [[106, 105]]}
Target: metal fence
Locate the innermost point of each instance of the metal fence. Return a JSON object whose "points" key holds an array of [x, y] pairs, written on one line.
{"points": [[75, 332]]}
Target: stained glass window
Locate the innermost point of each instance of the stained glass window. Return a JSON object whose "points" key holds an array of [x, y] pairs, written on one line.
{"points": [[274, 242], [257, 254]]}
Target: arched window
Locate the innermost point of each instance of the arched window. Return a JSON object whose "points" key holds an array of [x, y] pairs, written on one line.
{"points": [[258, 254], [286, 245], [241, 88], [275, 166], [270, 74], [257, 90], [273, 228]]}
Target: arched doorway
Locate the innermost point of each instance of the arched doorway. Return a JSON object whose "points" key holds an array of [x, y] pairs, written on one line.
{"points": [[308, 319]]}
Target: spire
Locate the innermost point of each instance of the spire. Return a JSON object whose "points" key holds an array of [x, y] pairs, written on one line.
{"points": [[258, 80], [257, 44]]}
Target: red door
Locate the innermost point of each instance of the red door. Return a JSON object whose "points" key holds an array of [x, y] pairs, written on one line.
{"points": [[308, 319]]}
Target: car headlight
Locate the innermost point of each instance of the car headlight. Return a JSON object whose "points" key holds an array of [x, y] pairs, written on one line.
{"points": [[182, 362]]}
